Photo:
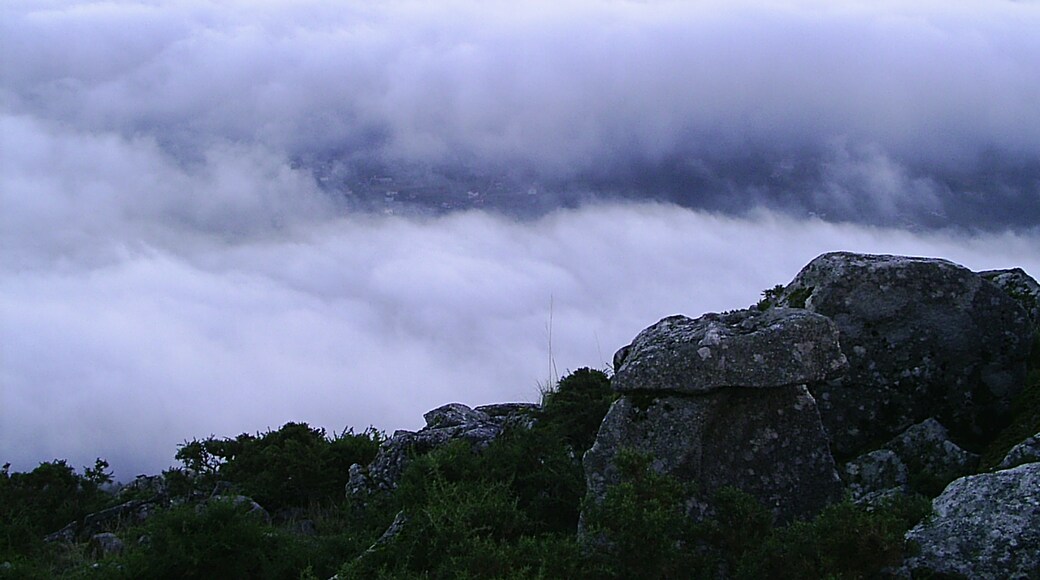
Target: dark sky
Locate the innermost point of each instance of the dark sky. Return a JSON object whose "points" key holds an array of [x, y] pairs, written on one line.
{"points": [[172, 264]]}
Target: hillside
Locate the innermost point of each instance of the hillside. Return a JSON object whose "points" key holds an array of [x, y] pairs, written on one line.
{"points": [[871, 418]]}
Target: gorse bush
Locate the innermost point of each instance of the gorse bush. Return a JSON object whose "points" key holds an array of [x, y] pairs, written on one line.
{"points": [[44, 500], [574, 410], [292, 466]]}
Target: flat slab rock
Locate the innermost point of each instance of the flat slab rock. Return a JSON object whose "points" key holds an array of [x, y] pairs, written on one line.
{"points": [[923, 337], [769, 443], [777, 348], [984, 526]]}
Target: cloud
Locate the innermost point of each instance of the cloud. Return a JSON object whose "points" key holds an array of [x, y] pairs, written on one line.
{"points": [[375, 320], [707, 104], [179, 256]]}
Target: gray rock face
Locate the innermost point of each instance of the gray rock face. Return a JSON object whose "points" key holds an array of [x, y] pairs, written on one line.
{"points": [[444, 424], [875, 476], [453, 415], [1020, 286], [780, 347], [923, 338], [1027, 451], [769, 443], [929, 454], [985, 526]]}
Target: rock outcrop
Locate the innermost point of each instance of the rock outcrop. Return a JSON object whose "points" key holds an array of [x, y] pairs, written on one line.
{"points": [[984, 526], [1019, 286], [452, 422], [720, 401], [922, 458], [923, 338], [1027, 451]]}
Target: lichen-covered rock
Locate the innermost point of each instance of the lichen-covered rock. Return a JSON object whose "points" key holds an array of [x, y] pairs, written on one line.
{"points": [[769, 443], [1027, 451], [1020, 286], [106, 520], [923, 337], [453, 415], [984, 526], [875, 476], [451, 422], [932, 459], [780, 347]]}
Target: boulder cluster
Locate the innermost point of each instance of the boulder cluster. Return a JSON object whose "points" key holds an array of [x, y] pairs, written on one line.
{"points": [[866, 375]]}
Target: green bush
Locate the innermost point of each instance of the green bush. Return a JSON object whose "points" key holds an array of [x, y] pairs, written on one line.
{"points": [[574, 410], [293, 466], [44, 500], [214, 540]]}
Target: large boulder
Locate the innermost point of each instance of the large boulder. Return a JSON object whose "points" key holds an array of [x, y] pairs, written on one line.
{"points": [[984, 526], [718, 402], [745, 348], [923, 337], [768, 443]]}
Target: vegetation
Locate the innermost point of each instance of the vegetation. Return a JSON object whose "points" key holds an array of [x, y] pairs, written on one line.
{"points": [[509, 511]]}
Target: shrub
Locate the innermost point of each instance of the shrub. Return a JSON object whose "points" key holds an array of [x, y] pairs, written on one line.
{"points": [[293, 466], [44, 500], [574, 410], [213, 540]]}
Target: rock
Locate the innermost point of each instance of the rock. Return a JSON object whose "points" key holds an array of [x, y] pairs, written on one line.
{"points": [[984, 526], [875, 476], [453, 415], [932, 459], [144, 487], [1019, 286], [767, 442], [395, 528], [1027, 451], [923, 337], [105, 544], [780, 347], [106, 520], [507, 410], [452, 422]]}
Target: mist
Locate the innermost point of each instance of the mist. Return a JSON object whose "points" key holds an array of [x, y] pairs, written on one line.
{"points": [[215, 219]]}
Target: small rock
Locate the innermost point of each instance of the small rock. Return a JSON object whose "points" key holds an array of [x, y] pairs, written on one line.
{"points": [[875, 476], [105, 544], [1027, 451], [931, 457]]}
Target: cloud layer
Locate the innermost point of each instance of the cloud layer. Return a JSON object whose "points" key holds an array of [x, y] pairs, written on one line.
{"points": [[877, 112], [176, 261]]}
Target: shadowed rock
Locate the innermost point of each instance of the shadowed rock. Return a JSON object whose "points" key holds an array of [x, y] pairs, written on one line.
{"points": [[720, 401], [768, 443], [447, 423], [923, 337]]}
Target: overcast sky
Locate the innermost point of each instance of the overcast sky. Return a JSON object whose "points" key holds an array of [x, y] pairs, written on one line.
{"points": [[170, 269]]}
